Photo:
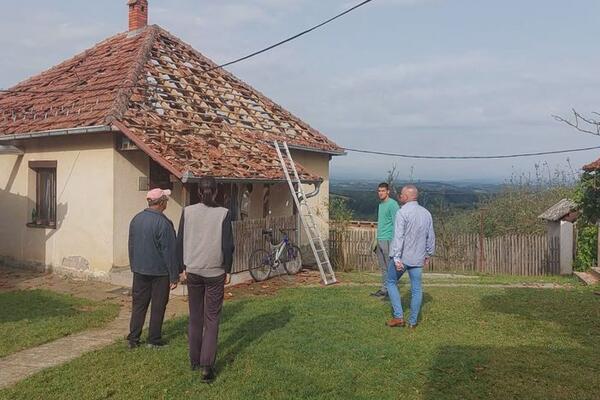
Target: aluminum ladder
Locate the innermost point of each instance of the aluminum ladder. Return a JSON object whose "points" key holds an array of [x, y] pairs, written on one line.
{"points": [[306, 215]]}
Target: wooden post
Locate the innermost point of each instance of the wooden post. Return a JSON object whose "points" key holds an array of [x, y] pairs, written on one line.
{"points": [[481, 250]]}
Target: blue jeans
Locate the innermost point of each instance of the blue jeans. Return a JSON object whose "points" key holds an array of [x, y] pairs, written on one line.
{"points": [[416, 290]]}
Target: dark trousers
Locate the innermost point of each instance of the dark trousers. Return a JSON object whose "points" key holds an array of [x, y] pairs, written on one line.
{"points": [[148, 289], [206, 303]]}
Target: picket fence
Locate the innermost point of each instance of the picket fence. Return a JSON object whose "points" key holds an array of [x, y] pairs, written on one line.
{"points": [[534, 255]]}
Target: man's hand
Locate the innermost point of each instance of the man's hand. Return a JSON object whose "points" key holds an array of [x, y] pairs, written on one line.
{"points": [[227, 279], [173, 285], [427, 262], [183, 277], [399, 266]]}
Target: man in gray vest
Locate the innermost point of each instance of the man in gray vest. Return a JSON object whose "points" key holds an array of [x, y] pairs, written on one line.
{"points": [[205, 251]]}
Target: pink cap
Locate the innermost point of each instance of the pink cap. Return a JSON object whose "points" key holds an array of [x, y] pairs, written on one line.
{"points": [[156, 194]]}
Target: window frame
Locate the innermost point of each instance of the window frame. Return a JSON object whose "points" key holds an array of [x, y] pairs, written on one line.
{"points": [[39, 168]]}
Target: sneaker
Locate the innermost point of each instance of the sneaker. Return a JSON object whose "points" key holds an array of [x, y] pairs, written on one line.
{"points": [[396, 322], [411, 326], [379, 293], [208, 374]]}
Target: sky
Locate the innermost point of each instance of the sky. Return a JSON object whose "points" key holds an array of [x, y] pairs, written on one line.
{"points": [[435, 77]]}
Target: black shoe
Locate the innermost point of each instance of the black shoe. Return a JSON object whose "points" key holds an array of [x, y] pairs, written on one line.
{"points": [[156, 345], [379, 293], [196, 367], [133, 345], [208, 374]]}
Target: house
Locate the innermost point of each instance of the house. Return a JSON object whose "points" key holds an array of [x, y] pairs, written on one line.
{"points": [[81, 143], [560, 219]]}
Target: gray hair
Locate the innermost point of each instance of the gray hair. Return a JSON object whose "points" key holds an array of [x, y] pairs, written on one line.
{"points": [[411, 189], [156, 202]]}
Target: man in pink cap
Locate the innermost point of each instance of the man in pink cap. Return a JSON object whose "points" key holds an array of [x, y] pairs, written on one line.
{"points": [[153, 261]]}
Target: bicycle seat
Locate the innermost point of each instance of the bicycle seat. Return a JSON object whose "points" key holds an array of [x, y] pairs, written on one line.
{"points": [[284, 230], [267, 231]]}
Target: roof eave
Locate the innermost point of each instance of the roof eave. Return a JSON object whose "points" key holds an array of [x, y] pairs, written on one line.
{"points": [[190, 178], [339, 152], [57, 132]]}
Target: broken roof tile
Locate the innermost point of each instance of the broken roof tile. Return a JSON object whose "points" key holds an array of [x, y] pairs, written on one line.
{"points": [[169, 97]]}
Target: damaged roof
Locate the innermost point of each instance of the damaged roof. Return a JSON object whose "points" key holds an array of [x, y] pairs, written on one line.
{"points": [[593, 166], [191, 117], [559, 210]]}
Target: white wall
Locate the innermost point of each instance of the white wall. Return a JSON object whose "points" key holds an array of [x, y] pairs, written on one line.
{"points": [[566, 247], [83, 239]]}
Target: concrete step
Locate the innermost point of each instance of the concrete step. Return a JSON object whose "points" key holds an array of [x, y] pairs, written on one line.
{"points": [[587, 278], [596, 272], [123, 277]]}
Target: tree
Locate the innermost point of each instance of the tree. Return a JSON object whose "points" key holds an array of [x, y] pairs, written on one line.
{"points": [[581, 123]]}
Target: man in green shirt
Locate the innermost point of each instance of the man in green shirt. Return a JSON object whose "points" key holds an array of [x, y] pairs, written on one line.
{"points": [[385, 232]]}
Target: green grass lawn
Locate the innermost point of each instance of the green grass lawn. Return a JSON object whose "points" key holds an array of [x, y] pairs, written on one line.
{"points": [[331, 343], [31, 317]]}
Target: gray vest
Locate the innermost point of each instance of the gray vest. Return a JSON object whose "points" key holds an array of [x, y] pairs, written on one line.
{"points": [[202, 245]]}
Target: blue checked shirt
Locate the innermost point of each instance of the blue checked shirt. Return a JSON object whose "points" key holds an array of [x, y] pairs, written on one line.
{"points": [[414, 238]]}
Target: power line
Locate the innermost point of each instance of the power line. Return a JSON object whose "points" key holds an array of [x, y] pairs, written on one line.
{"points": [[292, 37], [431, 157], [237, 60]]}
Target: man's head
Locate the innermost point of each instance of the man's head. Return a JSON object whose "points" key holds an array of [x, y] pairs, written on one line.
{"points": [[158, 199], [409, 193], [383, 191], [207, 191]]}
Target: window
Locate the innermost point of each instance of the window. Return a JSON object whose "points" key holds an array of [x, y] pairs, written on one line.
{"points": [[44, 213], [159, 177]]}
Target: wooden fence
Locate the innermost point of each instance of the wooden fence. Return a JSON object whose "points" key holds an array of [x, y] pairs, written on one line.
{"points": [[351, 249], [248, 237]]}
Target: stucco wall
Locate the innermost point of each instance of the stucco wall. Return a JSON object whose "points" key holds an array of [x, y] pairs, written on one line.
{"points": [[82, 241], [317, 164]]}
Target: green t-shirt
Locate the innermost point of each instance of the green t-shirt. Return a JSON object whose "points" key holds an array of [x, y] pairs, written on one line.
{"points": [[385, 219]]}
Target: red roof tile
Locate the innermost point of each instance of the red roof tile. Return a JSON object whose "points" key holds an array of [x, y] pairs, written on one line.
{"points": [[163, 95], [593, 166]]}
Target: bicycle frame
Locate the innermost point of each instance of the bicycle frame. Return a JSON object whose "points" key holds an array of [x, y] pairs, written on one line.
{"points": [[278, 248]]}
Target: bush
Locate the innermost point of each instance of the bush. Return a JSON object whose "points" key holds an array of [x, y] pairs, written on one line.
{"points": [[587, 247]]}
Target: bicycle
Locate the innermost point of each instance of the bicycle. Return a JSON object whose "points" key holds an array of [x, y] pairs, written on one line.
{"points": [[263, 263]]}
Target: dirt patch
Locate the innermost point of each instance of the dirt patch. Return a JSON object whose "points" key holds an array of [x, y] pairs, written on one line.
{"points": [[272, 286], [17, 279]]}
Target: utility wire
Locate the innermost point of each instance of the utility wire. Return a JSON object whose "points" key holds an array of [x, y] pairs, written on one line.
{"points": [[291, 38], [251, 55], [430, 157]]}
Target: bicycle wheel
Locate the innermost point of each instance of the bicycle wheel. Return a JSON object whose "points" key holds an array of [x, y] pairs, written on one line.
{"points": [[260, 265], [292, 259]]}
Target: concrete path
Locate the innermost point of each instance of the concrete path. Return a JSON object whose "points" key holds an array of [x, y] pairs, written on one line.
{"points": [[481, 285], [18, 366]]}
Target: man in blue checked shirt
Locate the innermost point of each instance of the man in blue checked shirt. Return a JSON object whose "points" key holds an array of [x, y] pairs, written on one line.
{"points": [[412, 246]]}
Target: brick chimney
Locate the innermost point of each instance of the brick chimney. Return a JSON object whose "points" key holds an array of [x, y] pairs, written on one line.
{"points": [[138, 14]]}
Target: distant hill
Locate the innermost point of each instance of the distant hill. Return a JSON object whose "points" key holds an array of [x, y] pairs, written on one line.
{"points": [[362, 194]]}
